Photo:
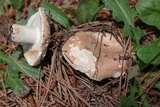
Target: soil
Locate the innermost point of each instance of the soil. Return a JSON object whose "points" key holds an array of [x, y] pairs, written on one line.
{"points": [[62, 86]]}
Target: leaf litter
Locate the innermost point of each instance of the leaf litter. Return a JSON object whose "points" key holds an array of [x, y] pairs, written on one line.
{"points": [[63, 86]]}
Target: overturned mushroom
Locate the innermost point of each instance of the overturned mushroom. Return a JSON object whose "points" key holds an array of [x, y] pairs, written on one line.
{"points": [[94, 54], [34, 37]]}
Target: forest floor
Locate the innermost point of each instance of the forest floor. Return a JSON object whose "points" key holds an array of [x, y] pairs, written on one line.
{"points": [[61, 85]]}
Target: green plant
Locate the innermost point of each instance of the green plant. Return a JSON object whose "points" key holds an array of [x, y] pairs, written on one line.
{"points": [[57, 15], [15, 3], [149, 13], [2, 5], [86, 11], [150, 54], [147, 10], [31, 10], [130, 101], [11, 76], [122, 12]]}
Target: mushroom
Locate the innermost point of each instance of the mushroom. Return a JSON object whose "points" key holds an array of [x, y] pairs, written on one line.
{"points": [[94, 54], [34, 37]]}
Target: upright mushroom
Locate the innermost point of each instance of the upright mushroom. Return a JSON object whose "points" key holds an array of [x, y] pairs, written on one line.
{"points": [[34, 37], [94, 54]]}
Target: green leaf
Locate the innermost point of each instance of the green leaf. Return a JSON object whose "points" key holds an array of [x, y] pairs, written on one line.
{"points": [[133, 71], [149, 12], [94, 10], [2, 3], [157, 85], [1, 11], [16, 3], [127, 102], [2, 73], [13, 82], [57, 15], [137, 34], [152, 75], [150, 53], [122, 12], [124, 101], [15, 65], [145, 100], [143, 97], [17, 86], [87, 10], [130, 101], [31, 10]]}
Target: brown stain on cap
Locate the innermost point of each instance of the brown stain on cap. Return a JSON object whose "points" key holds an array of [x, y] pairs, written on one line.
{"points": [[32, 57]]}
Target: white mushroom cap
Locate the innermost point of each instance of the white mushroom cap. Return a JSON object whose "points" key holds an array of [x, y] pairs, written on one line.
{"points": [[34, 37], [85, 52]]}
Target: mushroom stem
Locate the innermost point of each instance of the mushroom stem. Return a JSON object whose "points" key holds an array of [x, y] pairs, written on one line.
{"points": [[24, 34], [34, 37]]}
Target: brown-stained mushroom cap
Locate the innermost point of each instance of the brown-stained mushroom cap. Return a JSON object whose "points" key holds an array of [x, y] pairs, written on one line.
{"points": [[94, 54], [34, 37]]}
